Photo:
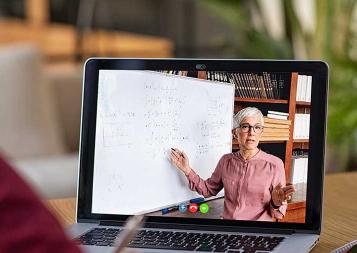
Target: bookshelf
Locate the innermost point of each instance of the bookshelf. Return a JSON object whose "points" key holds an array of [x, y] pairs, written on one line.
{"points": [[296, 210]]}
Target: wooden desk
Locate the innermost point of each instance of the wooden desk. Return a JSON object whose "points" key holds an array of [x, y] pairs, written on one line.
{"points": [[339, 221]]}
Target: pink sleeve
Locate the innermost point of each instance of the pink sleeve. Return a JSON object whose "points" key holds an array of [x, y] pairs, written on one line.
{"points": [[279, 177], [209, 187]]}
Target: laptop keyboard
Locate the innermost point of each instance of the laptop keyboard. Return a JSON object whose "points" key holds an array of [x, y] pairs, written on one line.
{"points": [[184, 241]]}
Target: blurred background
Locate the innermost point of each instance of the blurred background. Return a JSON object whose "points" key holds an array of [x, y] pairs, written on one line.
{"points": [[43, 44]]}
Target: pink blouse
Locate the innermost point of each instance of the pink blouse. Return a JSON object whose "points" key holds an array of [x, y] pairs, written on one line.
{"points": [[247, 186]]}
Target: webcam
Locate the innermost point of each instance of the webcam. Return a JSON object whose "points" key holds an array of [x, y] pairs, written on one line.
{"points": [[200, 66]]}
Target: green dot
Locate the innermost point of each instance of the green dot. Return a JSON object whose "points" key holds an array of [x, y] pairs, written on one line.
{"points": [[204, 208]]}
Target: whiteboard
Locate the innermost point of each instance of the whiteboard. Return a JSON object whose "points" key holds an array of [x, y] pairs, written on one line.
{"points": [[140, 116]]}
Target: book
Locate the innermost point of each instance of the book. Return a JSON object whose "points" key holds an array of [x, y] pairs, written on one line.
{"points": [[275, 138], [281, 85], [270, 84], [276, 130], [247, 84], [299, 170], [274, 85], [232, 81], [277, 121], [299, 166], [279, 113], [298, 88], [275, 134], [277, 116], [301, 126], [254, 85], [303, 88], [250, 87], [308, 87], [257, 85], [243, 87], [275, 126], [240, 87], [267, 85], [262, 87]]}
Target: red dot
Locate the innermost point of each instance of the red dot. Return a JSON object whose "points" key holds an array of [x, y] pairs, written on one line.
{"points": [[193, 208]]}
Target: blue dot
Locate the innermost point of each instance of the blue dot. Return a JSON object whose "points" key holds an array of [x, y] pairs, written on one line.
{"points": [[183, 207]]}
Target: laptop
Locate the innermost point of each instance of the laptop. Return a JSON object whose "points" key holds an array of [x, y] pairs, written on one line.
{"points": [[143, 118]]}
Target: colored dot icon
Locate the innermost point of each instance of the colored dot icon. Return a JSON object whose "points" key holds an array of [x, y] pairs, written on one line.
{"points": [[204, 208], [193, 208], [183, 207]]}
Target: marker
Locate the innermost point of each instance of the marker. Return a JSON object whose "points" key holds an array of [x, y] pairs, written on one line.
{"points": [[169, 209], [181, 154], [197, 200]]}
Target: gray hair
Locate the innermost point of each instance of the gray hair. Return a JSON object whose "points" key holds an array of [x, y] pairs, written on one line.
{"points": [[246, 112]]}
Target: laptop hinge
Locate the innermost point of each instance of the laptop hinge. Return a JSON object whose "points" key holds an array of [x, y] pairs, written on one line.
{"points": [[205, 227], [111, 223]]}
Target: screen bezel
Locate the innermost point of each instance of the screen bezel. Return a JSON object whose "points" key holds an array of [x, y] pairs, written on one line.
{"points": [[317, 135]]}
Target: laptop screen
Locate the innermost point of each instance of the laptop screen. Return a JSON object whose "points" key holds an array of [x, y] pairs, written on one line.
{"points": [[231, 145]]}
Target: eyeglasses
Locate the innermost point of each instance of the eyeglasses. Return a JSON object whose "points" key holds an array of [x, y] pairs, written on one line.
{"points": [[245, 128]]}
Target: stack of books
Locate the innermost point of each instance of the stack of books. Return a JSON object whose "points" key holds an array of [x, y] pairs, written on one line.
{"points": [[276, 129]]}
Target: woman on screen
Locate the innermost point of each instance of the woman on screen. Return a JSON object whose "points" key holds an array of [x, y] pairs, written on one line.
{"points": [[253, 181]]}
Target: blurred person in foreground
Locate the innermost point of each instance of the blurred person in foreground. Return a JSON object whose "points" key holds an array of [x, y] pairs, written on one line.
{"points": [[26, 224]]}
